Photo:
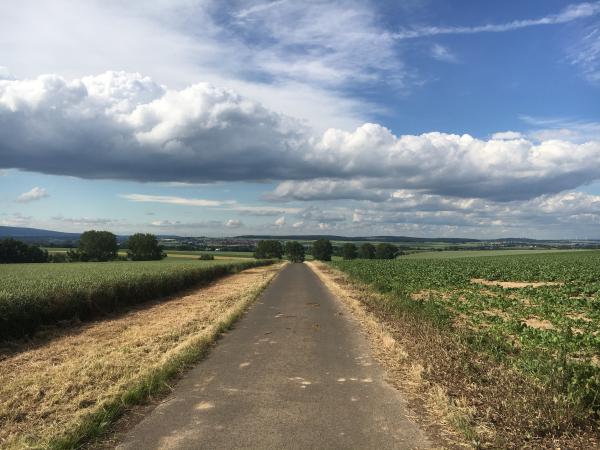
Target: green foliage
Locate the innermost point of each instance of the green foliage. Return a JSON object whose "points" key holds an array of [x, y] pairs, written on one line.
{"points": [[295, 251], [349, 251], [97, 246], [549, 332], [322, 250], [144, 247], [268, 249], [366, 251], [386, 251], [12, 251], [32, 295], [206, 257]]}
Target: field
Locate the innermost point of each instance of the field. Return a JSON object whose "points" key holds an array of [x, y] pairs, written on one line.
{"points": [[538, 314], [32, 295], [62, 389], [180, 254]]}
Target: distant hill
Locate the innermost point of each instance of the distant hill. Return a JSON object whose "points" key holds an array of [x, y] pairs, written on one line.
{"points": [[35, 233]]}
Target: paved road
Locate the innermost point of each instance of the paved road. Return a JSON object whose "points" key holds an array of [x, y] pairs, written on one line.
{"points": [[295, 373]]}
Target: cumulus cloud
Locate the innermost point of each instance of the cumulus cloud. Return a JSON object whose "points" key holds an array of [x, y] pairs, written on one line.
{"points": [[124, 126], [280, 222], [508, 135], [34, 194]]}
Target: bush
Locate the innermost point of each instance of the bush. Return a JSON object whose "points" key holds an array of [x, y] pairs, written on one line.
{"points": [[366, 251], [13, 251], [206, 257], [144, 247], [322, 250], [97, 246], [295, 251], [268, 250]]}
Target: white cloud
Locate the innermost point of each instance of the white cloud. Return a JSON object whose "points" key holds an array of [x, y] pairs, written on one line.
{"points": [[280, 222], [298, 224], [234, 223], [34, 194], [568, 14], [124, 126], [442, 53], [507, 135], [586, 54], [85, 221], [171, 200]]}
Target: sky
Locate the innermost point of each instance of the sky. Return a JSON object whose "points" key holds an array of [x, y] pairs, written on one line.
{"points": [[357, 118]]}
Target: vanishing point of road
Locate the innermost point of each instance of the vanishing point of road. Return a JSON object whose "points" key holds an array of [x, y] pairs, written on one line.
{"points": [[294, 373]]}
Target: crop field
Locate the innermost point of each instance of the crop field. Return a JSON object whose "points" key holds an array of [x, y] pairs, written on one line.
{"points": [[451, 254], [32, 295], [537, 313]]}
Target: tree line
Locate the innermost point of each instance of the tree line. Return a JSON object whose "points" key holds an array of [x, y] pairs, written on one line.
{"points": [[93, 246], [323, 250]]}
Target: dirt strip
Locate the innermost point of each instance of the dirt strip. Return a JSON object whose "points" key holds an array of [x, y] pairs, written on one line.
{"points": [[49, 387]]}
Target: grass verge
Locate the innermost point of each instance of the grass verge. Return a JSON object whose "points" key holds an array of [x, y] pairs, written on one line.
{"points": [[70, 391]]}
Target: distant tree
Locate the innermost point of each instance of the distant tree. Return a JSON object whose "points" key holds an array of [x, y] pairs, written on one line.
{"points": [[295, 251], [349, 251], [206, 257], [13, 251], [268, 249], [322, 250], [386, 251], [144, 247], [366, 251], [97, 246]]}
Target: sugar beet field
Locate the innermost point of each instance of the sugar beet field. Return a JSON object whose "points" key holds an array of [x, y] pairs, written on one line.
{"points": [[32, 295], [538, 314]]}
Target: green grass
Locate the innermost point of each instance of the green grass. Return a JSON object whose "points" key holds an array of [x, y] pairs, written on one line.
{"points": [[32, 295], [563, 353]]}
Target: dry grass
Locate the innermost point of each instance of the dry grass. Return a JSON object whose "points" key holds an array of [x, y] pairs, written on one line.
{"points": [[51, 387], [440, 415]]}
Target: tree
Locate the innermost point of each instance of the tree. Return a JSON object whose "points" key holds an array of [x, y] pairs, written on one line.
{"points": [[295, 251], [97, 246], [349, 251], [13, 251], [144, 247], [386, 251], [366, 251], [322, 250], [268, 249]]}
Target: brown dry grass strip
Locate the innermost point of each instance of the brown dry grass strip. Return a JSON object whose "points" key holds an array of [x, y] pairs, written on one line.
{"points": [[48, 388]]}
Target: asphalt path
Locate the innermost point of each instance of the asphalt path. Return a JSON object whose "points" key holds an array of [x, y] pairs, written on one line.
{"points": [[294, 373]]}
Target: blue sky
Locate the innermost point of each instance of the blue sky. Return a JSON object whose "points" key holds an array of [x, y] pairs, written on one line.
{"points": [[199, 117]]}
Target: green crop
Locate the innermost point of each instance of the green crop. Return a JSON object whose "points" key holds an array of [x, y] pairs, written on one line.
{"points": [[550, 332], [32, 295]]}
